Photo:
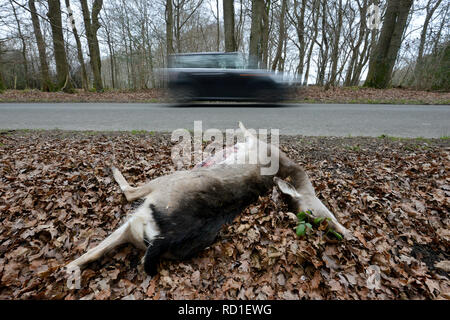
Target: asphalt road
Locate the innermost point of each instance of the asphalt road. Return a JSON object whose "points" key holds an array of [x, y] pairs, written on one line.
{"points": [[291, 119]]}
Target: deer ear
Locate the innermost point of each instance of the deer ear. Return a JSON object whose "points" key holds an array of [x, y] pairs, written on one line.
{"points": [[286, 188], [249, 138], [241, 126]]}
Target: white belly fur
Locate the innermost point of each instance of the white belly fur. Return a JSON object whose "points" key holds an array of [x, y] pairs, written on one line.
{"points": [[142, 223]]}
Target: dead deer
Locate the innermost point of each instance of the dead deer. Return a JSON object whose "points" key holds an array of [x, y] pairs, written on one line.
{"points": [[182, 213]]}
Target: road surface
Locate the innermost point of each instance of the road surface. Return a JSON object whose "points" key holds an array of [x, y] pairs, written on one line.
{"points": [[291, 119]]}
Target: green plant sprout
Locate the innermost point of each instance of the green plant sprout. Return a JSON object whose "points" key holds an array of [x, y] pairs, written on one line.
{"points": [[304, 226]]}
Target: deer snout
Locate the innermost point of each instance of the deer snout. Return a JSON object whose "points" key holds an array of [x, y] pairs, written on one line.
{"points": [[305, 201], [318, 209]]}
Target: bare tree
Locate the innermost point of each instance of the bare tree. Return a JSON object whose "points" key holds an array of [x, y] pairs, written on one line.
{"points": [[327, 42], [281, 36], [84, 78], [46, 83], [444, 22], [335, 48], [228, 25], [62, 67], [111, 46], [430, 9], [218, 25], [385, 53], [24, 46], [239, 27], [256, 33], [267, 20], [324, 46], [315, 23], [356, 46], [298, 21], [91, 25], [169, 27], [2, 85], [184, 10]]}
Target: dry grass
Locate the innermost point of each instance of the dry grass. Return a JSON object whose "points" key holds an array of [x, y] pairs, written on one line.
{"points": [[312, 94]]}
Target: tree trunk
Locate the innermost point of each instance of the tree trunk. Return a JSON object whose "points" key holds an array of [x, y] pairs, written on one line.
{"points": [[110, 44], [46, 83], [62, 67], [255, 46], [2, 85], [84, 78], [169, 27], [356, 47], [281, 36], [150, 61], [265, 33], [178, 27], [228, 25], [313, 39], [131, 54], [112, 62], [323, 60], [439, 31], [180, 12], [24, 46], [301, 37], [238, 32], [282, 62], [91, 25], [335, 52], [385, 53], [419, 63], [218, 27], [364, 58]]}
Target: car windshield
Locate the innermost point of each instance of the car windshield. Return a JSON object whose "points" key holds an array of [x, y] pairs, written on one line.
{"points": [[217, 61]]}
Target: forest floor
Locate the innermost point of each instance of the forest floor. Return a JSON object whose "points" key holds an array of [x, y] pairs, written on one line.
{"points": [[311, 94], [57, 199]]}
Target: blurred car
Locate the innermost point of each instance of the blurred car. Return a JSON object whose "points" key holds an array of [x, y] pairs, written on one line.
{"points": [[221, 76]]}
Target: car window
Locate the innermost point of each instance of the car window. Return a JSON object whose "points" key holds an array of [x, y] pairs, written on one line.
{"points": [[222, 64], [190, 61], [234, 61], [209, 61], [219, 61]]}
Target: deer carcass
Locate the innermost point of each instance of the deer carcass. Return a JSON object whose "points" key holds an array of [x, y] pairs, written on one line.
{"points": [[183, 212]]}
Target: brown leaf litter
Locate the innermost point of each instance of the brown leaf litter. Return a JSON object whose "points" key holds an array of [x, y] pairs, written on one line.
{"points": [[57, 199]]}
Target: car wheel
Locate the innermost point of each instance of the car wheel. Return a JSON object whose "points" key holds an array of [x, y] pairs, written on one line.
{"points": [[183, 94], [269, 95]]}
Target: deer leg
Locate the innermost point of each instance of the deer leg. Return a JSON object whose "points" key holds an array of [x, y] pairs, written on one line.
{"points": [[131, 193], [152, 256], [117, 238]]}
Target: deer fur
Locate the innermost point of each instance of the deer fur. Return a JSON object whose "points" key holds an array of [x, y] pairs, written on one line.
{"points": [[182, 213]]}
